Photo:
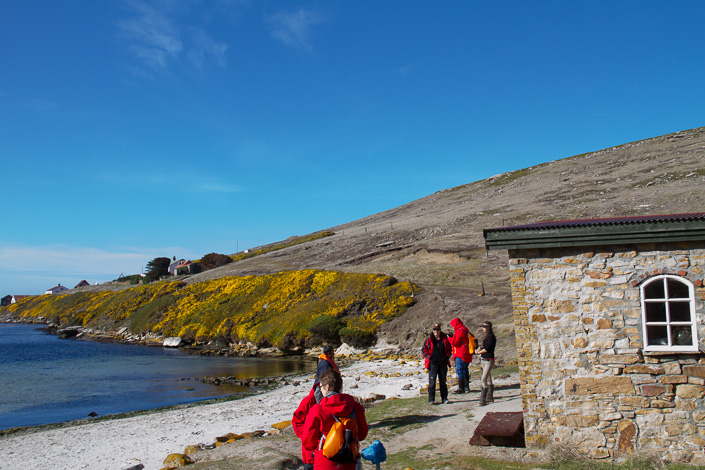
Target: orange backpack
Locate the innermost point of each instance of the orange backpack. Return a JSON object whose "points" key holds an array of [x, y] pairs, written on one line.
{"points": [[472, 343], [341, 444]]}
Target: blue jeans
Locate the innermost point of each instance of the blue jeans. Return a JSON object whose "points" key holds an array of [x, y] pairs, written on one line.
{"points": [[461, 368]]}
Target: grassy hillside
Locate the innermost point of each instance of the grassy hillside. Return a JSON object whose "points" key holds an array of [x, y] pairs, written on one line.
{"points": [[273, 309]]}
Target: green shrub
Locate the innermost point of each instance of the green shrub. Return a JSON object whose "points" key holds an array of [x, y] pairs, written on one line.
{"points": [[214, 260], [357, 338], [325, 329]]}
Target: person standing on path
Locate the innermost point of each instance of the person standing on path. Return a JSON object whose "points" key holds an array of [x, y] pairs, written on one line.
{"points": [[436, 352], [462, 352], [487, 359], [325, 361]]}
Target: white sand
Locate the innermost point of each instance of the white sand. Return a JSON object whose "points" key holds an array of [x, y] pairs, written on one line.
{"points": [[148, 439]]}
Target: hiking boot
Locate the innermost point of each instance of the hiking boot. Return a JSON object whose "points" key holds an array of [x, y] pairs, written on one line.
{"points": [[467, 384], [445, 400], [483, 397], [431, 401], [461, 388]]}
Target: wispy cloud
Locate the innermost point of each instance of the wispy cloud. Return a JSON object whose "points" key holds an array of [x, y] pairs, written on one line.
{"points": [[41, 105], [214, 187], [403, 70], [152, 36], [294, 28], [188, 182], [41, 267], [160, 38], [204, 48]]}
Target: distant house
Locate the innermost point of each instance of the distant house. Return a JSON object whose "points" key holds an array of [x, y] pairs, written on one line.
{"points": [[11, 299], [56, 290], [183, 266], [175, 265], [189, 268], [83, 283]]}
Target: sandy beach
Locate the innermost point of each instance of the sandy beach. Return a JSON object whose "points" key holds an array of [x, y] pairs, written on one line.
{"points": [[148, 439]]}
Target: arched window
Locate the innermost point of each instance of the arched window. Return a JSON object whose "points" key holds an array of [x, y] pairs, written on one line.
{"points": [[668, 314]]}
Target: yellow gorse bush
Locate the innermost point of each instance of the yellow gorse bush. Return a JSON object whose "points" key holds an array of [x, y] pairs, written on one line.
{"points": [[249, 308]]}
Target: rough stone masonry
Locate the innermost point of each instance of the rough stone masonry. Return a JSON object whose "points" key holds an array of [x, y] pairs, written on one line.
{"points": [[585, 377]]}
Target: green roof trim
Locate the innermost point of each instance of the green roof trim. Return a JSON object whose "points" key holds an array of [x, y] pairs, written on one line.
{"points": [[598, 232]]}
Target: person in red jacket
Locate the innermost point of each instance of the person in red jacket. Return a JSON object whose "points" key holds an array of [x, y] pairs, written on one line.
{"points": [[460, 340], [298, 421], [321, 417], [436, 352], [325, 361]]}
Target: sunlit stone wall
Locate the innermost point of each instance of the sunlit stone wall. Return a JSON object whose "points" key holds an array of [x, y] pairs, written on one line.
{"points": [[585, 378]]}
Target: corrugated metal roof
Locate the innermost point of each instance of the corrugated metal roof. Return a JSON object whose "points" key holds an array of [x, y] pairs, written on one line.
{"points": [[605, 221], [610, 231]]}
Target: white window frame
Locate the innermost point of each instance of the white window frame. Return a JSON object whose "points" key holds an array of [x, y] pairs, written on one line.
{"points": [[667, 301]]}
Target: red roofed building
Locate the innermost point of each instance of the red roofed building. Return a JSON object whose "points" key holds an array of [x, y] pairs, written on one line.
{"points": [[56, 290]]}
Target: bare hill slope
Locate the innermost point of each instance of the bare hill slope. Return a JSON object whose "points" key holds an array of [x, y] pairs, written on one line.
{"points": [[437, 242]]}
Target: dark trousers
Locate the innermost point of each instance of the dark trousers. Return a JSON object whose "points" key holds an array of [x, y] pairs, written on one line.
{"points": [[440, 371]]}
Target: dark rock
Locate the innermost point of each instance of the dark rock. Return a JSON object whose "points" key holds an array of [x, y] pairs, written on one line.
{"points": [[139, 466], [68, 333]]}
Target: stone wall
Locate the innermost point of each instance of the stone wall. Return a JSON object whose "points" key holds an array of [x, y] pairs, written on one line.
{"points": [[585, 379]]}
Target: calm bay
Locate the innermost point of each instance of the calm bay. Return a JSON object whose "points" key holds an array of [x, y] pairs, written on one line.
{"points": [[45, 380]]}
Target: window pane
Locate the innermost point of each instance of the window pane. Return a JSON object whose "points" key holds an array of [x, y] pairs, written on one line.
{"points": [[682, 335], [657, 336], [680, 311], [677, 290], [655, 312], [654, 290]]}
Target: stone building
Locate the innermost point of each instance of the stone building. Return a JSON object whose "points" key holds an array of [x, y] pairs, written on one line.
{"points": [[610, 331]]}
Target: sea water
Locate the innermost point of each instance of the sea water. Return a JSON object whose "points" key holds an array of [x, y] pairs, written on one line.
{"points": [[44, 379]]}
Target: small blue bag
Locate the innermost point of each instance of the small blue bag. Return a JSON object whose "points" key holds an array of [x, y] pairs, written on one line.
{"points": [[375, 453]]}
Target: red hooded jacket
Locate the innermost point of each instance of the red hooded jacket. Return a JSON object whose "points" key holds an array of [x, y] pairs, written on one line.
{"points": [[319, 421], [459, 340], [298, 421]]}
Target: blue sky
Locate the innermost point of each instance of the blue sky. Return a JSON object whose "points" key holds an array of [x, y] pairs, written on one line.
{"points": [[136, 129]]}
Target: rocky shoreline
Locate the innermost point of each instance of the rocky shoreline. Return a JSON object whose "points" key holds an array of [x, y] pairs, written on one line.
{"points": [[123, 336], [148, 438]]}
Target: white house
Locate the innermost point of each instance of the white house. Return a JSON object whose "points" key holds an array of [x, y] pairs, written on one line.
{"points": [[56, 290]]}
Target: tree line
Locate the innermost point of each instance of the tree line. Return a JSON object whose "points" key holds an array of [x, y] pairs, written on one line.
{"points": [[158, 267]]}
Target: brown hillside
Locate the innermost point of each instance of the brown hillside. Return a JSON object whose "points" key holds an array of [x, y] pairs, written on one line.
{"points": [[437, 241]]}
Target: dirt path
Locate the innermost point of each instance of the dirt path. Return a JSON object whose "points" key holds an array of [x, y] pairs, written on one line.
{"points": [[445, 431], [458, 420]]}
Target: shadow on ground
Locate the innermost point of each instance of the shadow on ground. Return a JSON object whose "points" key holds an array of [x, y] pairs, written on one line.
{"points": [[402, 421]]}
